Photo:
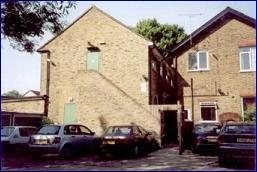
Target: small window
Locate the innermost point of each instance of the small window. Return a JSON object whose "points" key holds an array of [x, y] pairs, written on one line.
{"points": [[161, 71], [93, 61], [198, 61], [248, 59], [208, 111]]}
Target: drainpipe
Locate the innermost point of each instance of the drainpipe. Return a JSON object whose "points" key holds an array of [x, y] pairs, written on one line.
{"points": [[46, 97], [192, 98]]}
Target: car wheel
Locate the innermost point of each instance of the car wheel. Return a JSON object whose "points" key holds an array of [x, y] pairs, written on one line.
{"points": [[66, 152]]}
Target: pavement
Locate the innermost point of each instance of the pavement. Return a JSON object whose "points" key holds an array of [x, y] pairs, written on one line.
{"points": [[167, 159]]}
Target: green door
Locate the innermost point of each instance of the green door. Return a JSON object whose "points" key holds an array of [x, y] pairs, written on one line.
{"points": [[69, 113], [93, 61]]}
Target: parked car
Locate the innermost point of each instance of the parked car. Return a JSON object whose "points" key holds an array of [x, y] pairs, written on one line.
{"points": [[128, 139], [237, 144], [65, 140], [204, 138], [15, 138]]}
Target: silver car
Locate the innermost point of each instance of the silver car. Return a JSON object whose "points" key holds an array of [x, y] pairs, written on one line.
{"points": [[65, 140]]}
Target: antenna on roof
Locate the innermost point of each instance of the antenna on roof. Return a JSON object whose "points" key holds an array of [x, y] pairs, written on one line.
{"points": [[190, 18]]}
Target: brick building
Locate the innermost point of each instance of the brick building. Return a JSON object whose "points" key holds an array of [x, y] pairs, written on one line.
{"points": [[96, 73], [216, 68]]}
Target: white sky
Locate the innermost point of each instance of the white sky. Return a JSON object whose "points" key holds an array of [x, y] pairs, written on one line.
{"points": [[21, 71]]}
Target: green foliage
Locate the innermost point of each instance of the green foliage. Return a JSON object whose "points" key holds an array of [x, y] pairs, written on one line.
{"points": [[250, 114], [46, 120], [163, 35], [22, 21], [13, 93]]}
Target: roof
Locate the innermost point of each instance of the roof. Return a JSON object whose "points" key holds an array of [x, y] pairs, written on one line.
{"points": [[37, 93], [213, 24], [75, 21]]}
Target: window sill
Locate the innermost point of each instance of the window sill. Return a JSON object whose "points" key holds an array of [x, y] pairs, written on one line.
{"points": [[208, 121], [247, 71]]}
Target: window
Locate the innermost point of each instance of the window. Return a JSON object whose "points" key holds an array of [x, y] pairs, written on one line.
{"points": [[161, 71], [248, 59], [187, 115], [198, 61], [208, 111], [23, 132]]}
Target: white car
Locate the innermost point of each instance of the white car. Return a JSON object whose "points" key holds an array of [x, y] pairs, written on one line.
{"points": [[15, 137]]}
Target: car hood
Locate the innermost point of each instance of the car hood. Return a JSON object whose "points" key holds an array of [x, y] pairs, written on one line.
{"points": [[5, 138]]}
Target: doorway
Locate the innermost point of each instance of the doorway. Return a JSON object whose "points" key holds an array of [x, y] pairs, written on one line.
{"points": [[169, 128]]}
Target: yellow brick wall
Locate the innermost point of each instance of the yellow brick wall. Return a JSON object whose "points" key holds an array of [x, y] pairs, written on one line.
{"points": [[124, 59], [224, 64]]}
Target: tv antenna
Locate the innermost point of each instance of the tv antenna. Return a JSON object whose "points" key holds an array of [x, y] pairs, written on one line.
{"points": [[190, 26]]}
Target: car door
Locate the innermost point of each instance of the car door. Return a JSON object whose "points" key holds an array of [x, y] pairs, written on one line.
{"points": [[86, 137], [71, 135]]}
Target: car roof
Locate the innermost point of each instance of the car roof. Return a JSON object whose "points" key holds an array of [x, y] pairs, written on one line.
{"points": [[207, 123]]}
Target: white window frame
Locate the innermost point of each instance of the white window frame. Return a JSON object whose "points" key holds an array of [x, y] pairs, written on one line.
{"points": [[198, 62], [189, 115], [250, 58], [209, 104]]}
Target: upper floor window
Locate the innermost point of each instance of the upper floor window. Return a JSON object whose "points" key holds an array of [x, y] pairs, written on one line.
{"points": [[248, 59], [92, 60], [198, 61]]}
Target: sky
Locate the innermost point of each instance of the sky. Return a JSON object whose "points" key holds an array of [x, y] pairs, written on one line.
{"points": [[21, 71]]}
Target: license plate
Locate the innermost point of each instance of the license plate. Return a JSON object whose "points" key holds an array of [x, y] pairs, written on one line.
{"points": [[212, 139], [245, 140], [110, 142], [41, 142]]}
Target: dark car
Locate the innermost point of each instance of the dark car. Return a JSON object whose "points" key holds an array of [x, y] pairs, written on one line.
{"points": [[237, 144], [204, 138], [65, 140], [127, 140]]}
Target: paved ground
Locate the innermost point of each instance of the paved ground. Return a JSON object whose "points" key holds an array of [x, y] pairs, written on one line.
{"points": [[163, 160]]}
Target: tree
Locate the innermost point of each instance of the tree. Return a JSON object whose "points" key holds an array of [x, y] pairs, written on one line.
{"points": [[23, 21], [163, 35], [13, 93]]}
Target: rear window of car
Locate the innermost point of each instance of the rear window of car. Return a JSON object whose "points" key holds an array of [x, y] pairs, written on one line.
{"points": [[247, 129], [118, 131], [6, 131], [49, 130], [205, 128]]}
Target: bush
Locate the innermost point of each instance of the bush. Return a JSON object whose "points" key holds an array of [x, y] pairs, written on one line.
{"points": [[46, 120], [250, 114]]}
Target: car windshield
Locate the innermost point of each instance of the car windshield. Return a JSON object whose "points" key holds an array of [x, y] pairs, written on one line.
{"points": [[206, 128], [6, 131], [49, 130], [118, 131], [247, 129]]}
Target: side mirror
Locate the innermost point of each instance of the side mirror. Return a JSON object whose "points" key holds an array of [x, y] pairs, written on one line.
{"points": [[15, 136], [93, 133]]}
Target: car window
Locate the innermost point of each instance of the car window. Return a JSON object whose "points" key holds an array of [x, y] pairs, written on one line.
{"points": [[49, 130], [84, 130], [205, 128], [23, 132], [32, 131], [118, 131], [71, 130], [247, 129], [6, 131]]}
